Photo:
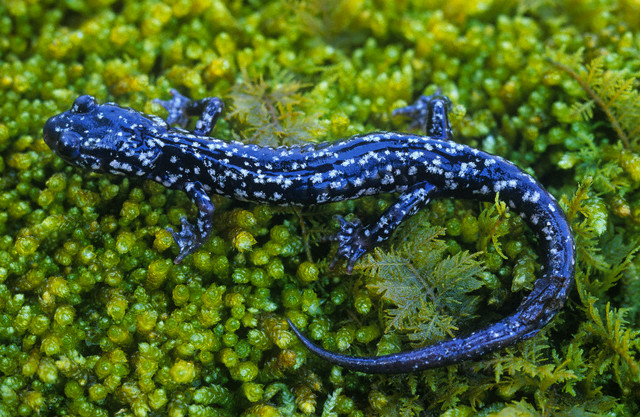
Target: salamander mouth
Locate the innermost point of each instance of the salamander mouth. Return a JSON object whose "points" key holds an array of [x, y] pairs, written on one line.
{"points": [[51, 136], [63, 141]]}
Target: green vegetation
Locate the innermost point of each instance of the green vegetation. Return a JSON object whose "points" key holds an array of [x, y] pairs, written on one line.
{"points": [[96, 320]]}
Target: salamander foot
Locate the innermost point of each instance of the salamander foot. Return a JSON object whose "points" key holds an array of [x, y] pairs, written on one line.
{"points": [[352, 242], [177, 108], [430, 113], [186, 239]]}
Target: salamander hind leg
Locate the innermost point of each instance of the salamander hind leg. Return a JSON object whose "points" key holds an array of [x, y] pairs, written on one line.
{"points": [[353, 242], [430, 113], [355, 239], [181, 108]]}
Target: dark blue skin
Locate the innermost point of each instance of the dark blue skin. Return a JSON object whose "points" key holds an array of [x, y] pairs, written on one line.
{"points": [[112, 139]]}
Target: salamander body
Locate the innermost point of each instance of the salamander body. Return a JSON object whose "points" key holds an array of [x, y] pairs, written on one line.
{"points": [[112, 139]]}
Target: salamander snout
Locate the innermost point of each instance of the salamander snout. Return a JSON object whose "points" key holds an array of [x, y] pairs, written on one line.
{"points": [[64, 142], [62, 132], [56, 129], [51, 131]]}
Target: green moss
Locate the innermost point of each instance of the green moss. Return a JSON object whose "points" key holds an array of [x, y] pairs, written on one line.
{"points": [[96, 319]]}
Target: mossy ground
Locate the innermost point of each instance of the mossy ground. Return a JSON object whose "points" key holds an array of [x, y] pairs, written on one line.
{"points": [[96, 320]]}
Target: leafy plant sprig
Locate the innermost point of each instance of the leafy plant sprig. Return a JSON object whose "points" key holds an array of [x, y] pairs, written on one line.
{"points": [[275, 113], [615, 92], [430, 292]]}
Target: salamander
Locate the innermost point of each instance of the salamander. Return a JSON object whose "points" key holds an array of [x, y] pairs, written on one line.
{"points": [[112, 139]]}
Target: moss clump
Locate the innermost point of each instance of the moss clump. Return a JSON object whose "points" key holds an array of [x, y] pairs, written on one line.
{"points": [[95, 319]]}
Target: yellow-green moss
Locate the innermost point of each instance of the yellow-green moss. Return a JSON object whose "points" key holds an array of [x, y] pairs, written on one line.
{"points": [[96, 319]]}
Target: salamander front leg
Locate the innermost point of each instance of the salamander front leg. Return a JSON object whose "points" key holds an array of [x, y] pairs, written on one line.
{"points": [[354, 239], [181, 108], [189, 239]]}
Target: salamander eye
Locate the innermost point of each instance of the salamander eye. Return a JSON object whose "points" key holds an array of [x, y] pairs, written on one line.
{"points": [[83, 104], [69, 145]]}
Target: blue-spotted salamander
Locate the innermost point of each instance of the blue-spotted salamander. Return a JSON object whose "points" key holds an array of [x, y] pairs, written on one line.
{"points": [[112, 139]]}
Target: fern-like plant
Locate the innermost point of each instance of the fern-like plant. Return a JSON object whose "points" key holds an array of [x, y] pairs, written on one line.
{"points": [[429, 291], [275, 113], [615, 92]]}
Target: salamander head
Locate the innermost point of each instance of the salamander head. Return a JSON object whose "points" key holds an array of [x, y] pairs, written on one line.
{"points": [[104, 137]]}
